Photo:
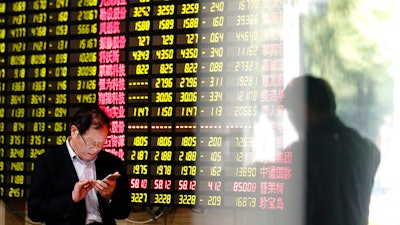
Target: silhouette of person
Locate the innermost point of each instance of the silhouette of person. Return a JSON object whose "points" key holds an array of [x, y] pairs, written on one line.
{"points": [[340, 164]]}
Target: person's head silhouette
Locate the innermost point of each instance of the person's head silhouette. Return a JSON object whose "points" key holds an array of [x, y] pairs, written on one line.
{"points": [[308, 100]]}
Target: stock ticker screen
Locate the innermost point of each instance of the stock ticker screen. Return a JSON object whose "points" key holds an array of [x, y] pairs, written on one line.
{"points": [[192, 87]]}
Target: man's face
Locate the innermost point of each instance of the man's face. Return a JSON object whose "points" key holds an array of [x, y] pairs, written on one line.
{"points": [[89, 144], [298, 118]]}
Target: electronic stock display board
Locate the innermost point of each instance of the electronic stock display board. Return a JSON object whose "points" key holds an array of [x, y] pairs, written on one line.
{"points": [[192, 87]]}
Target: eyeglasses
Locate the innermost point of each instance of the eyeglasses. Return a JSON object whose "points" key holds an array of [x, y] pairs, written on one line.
{"points": [[98, 145]]}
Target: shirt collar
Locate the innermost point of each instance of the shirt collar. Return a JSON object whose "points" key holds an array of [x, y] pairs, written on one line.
{"points": [[71, 152]]}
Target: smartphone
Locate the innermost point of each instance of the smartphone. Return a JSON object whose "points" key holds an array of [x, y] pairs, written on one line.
{"points": [[113, 176]]}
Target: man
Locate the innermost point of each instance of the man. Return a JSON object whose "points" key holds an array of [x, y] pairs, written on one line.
{"points": [[69, 184], [341, 165]]}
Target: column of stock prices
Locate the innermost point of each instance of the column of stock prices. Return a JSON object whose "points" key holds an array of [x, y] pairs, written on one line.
{"points": [[192, 87]]}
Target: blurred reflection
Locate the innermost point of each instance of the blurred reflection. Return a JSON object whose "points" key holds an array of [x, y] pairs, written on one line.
{"points": [[340, 164], [355, 45]]}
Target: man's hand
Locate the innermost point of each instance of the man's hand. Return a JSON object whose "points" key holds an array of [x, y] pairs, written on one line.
{"points": [[105, 187], [81, 188]]}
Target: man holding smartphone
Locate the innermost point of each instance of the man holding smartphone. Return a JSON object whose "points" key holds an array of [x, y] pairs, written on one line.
{"points": [[70, 184]]}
